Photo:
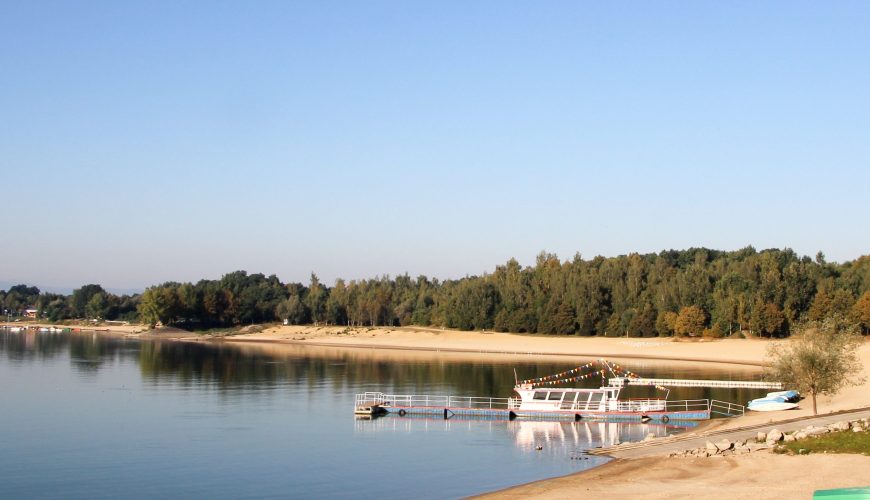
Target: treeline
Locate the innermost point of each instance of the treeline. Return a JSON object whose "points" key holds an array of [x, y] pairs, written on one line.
{"points": [[89, 301], [690, 292]]}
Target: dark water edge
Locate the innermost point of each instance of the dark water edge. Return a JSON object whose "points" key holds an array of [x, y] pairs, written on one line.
{"points": [[90, 416]]}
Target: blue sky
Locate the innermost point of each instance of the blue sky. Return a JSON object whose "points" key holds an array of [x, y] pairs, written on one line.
{"points": [[153, 141]]}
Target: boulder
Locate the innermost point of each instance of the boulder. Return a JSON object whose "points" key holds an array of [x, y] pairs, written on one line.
{"points": [[742, 449], [800, 435], [842, 426], [817, 431], [774, 435], [789, 438], [761, 437], [724, 445], [857, 429]]}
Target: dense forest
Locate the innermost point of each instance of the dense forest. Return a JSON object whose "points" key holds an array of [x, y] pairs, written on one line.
{"points": [[691, 292]]}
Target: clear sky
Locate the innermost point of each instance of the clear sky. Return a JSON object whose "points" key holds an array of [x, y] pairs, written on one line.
{"points": [[149, 141]]}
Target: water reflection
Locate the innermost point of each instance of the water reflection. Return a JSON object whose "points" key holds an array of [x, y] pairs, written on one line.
{"points": [[560, 440], [236, 367]]}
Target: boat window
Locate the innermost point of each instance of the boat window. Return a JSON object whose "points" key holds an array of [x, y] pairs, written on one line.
{"points": [[573, 396], [555, 396], [540, 395], [596, 398]]}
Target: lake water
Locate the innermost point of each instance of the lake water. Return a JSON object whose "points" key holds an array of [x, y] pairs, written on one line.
{"points": [[92, 416]]}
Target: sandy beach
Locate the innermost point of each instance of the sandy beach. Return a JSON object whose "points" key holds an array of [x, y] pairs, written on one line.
{"points": [[757, 476], [742, 352]]}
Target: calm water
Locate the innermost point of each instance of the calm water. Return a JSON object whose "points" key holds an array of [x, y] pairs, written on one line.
{"points": [[88, 416]]}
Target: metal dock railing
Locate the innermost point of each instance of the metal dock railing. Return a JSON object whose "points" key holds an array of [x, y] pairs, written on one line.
{"points": [[675, 382], [425, 400]]}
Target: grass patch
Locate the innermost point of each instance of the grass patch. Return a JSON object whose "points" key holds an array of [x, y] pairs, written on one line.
{"points": [[834, 442]]}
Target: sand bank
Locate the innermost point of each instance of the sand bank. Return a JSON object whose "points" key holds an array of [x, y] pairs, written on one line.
{"points": [[732, 351], [755, 476], [129, 329]]}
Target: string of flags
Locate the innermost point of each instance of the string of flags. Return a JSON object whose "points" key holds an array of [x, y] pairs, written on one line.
{"points": [[557, 376], [575, 375]]}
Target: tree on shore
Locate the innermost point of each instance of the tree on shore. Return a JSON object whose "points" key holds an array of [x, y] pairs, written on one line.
{"points": [[291, 310], [690, 321], [820, 358], [861, 312]]}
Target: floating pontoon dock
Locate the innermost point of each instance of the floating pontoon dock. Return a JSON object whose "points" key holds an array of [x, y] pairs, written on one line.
{"points": [[633, 410], [675, 382]]}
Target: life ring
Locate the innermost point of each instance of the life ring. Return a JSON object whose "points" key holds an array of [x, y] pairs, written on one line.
{"points": [[402, 413], [665, 418]]}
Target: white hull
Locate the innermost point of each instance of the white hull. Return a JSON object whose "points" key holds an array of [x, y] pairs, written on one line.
{"points": [[771, 406]]}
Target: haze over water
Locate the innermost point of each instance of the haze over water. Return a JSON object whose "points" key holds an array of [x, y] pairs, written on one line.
{"points": [[86, 416]]}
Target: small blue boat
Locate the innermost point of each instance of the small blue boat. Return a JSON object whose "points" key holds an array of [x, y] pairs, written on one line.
{"points": [[775, 401]]}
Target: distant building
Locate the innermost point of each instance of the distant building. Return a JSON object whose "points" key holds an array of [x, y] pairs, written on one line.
{"points": [[30, 312]]}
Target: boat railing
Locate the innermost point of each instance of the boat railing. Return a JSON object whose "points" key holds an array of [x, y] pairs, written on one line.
{"points": [[687, 405], [641, 405], [726, 408], [416, 400]]}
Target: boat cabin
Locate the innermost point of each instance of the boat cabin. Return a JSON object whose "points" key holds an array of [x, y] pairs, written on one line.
{"points": [[542, 399]]}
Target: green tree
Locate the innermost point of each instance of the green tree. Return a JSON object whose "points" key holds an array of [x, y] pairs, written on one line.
{"points": [[666, 323], [820, 359], [96, 307], [564, 321], [337, 303], [291, 310], [316, 300], [643, 324], [80, 298], [767, 319], [159, 304]]}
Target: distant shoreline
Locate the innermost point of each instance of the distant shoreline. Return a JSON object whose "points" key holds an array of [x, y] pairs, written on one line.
{"points": [[732, 351], [607, 355]]}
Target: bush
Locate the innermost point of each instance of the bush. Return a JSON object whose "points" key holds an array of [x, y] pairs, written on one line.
{"points": [[713, 333]]}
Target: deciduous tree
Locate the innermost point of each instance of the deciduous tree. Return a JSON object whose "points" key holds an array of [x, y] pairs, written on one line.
{"points": [[820, 359], [690, 321]]}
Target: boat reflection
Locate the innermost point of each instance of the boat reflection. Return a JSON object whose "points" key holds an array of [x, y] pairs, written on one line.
{"points": [[556, 437]]}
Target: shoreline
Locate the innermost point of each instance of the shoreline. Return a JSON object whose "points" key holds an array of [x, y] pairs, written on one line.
{"points": [[388, 347], [747, 352]]}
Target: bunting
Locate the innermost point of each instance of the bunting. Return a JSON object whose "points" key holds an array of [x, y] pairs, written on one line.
{"points": [[577, 374]]}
